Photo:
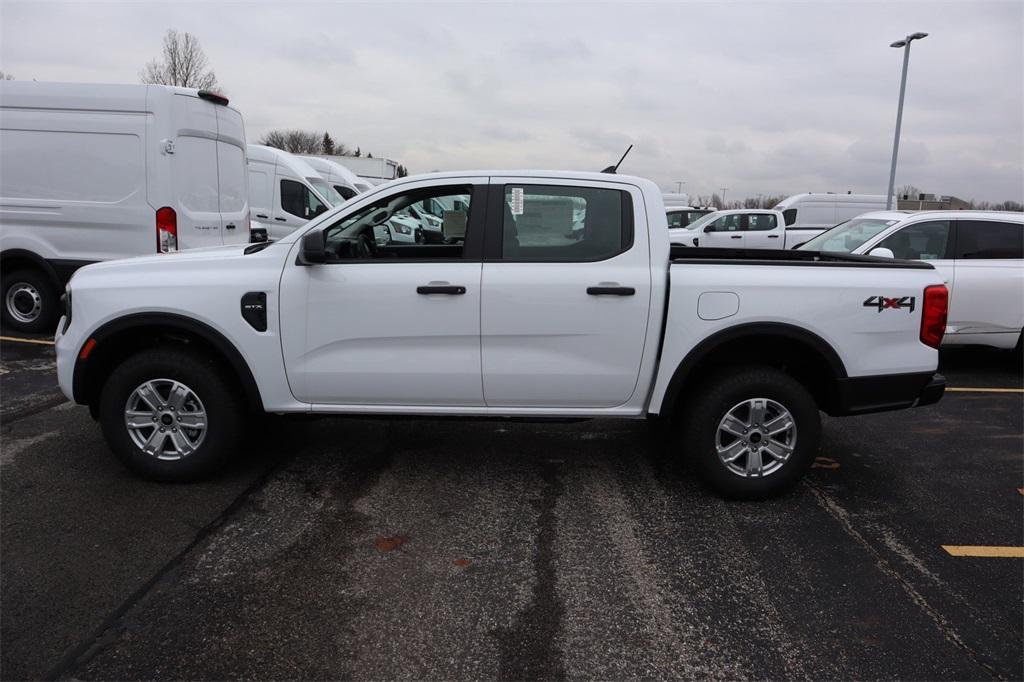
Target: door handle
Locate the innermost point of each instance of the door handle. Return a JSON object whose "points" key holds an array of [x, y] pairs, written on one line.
{"points": [[736, 236], [447, 289], [260, 215], [229, 226], [611, 291], [283, 220], [773, 236]]}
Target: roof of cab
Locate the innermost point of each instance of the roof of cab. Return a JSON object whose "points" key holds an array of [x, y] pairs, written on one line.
{"points": [[947, 215], [294, 163]]}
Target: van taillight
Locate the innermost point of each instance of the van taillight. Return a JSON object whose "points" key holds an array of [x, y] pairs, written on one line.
{"points": [[933, 315], [166, 230]]}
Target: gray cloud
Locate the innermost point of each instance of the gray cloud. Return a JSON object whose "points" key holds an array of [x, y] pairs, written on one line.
{"points": [[760, 97]]}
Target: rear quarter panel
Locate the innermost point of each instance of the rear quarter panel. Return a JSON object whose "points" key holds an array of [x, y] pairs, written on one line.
{"points": [[826, 300]]}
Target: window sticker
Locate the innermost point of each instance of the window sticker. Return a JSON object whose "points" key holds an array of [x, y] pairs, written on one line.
{"points": [[517, 201]]}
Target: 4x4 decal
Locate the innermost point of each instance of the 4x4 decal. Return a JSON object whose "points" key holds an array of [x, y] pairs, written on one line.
{"points": [[884, 302]]}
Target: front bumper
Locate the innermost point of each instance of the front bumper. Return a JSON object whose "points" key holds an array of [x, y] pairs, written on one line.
{"points": [[864, 395]]}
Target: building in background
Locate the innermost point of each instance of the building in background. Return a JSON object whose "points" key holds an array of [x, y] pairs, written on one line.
{"points": [[930, 202]]}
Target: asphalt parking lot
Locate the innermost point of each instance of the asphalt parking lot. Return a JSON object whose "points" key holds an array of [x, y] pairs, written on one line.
{"points": [[367, 548]]}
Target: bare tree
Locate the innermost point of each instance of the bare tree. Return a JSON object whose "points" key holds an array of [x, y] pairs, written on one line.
{"points": [[6, 76], [295, 141], [184, 64]]}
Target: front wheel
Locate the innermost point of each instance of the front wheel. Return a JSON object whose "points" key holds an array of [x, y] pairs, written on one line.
{"points": [[170, 415], [753, 432]]}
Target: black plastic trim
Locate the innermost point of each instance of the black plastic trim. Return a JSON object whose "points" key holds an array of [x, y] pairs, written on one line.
{"points": [[864, 395], [719, 256], [80, 383]]}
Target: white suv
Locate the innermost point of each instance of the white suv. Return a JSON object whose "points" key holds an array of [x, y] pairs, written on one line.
{"points": [[980, 255]]}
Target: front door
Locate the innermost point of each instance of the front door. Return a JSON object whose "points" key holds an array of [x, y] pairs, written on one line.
{"points": [[387, 323], [930, 240], [566, 293], [724, 233]]}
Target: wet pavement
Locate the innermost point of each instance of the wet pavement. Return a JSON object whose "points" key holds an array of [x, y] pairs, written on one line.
{"points": [[376, 548]]}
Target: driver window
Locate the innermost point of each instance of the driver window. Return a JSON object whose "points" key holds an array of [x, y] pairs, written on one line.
{"points": [[299, 201], [921, 241], [427, 223], [727, 223]]}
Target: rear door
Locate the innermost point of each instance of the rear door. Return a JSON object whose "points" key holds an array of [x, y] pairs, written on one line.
{"points": [[232, 177], [564, 315], [989, 278], [762, 231], [724, 233], [194, 174]]}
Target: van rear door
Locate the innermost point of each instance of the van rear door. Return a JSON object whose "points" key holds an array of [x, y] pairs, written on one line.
{"points": [[231, 176], [194, 172]]}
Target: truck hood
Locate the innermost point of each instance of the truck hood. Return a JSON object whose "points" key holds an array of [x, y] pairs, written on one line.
{"points": [[187, 256]]}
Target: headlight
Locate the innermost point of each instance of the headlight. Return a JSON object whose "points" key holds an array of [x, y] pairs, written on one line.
{"points": [[403, 229]]}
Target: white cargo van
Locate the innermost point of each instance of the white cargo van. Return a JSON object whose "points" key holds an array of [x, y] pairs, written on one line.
{"points": [[95, 172], [808, 215], [341, 179], [284, 191]]}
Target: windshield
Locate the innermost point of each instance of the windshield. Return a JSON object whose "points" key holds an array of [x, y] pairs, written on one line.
{"points": [[845, 237], [326, 191], [703, 220]]}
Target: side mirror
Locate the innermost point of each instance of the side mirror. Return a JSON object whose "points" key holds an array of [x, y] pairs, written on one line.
{"points": [[882, 252], [313, 249]]}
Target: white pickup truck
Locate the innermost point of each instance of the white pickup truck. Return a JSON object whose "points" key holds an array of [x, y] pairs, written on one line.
{"points": [[744, 228], [515, 315]]}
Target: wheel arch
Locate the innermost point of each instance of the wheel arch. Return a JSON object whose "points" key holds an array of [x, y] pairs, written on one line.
{"points": [[123, 336], [13, 259], [802, 353]]}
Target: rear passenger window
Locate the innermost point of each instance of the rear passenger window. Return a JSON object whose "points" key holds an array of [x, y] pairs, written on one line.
{"points": [[565, 224], [921, 241], [299, 201], [677, 219], [759, 222], [988, 239]]}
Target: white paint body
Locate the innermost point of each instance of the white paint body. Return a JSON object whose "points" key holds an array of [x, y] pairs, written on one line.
{"points": [[268, 169], [344, 181], [85, 167], [986, 296], [810, 214], [525, 339]]}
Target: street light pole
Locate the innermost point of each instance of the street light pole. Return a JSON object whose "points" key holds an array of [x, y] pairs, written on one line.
{"points": [[679, 186], [905, 44], [723, 195]]}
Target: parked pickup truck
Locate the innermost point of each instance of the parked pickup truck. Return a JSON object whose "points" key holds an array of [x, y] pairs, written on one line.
{"points": [[753, 228], [514, 315]]}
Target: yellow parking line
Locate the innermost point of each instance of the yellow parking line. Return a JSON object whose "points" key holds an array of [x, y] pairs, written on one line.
{"points": [[15, 339], [986, 390], [985, 551]]}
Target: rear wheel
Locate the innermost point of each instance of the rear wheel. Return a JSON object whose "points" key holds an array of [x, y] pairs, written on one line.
{"points": [[752, 432], [30, 302], [170, 415]]}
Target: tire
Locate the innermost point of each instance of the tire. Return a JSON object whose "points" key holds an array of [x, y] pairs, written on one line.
{"points": [[182, 454], [30, 302], [740, 392]]}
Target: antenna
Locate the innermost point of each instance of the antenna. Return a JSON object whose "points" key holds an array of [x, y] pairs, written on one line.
{"points": [[612, 169]]}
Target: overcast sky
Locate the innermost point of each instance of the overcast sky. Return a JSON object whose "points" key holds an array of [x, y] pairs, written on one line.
{"points": [[759, 97]]}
